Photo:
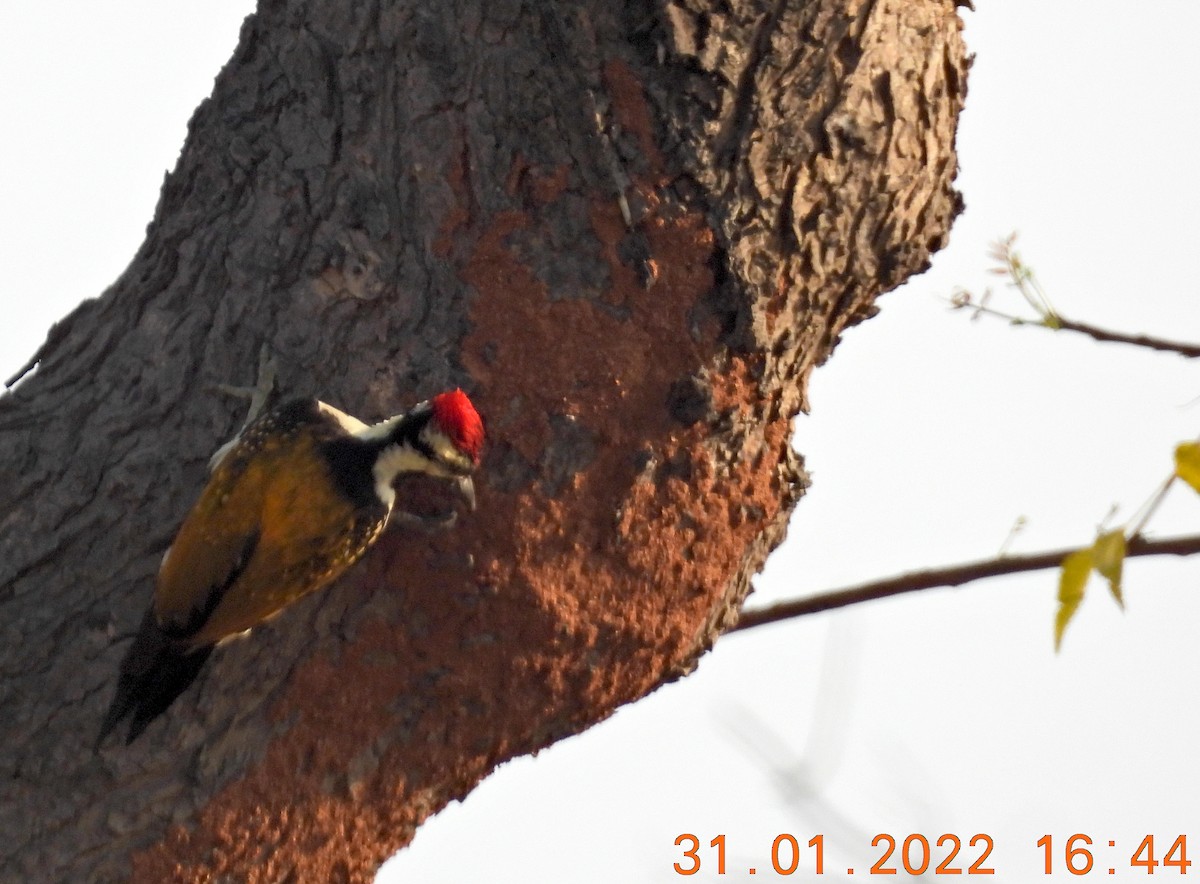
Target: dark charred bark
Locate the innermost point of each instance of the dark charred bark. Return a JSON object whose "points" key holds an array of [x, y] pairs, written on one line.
{"points": [[629, 230]]}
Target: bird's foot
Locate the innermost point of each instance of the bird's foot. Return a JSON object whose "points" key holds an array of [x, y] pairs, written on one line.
{"points": [[263, 390], [260, 395]]}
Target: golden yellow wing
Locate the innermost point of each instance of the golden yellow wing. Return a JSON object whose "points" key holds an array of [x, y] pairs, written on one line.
{"points": [[270, 527]]}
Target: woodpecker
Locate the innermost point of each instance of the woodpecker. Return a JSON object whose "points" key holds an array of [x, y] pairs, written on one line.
{"points": [[291, 503]]}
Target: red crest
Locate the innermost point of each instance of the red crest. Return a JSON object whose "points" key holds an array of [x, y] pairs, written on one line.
{"points": [[457, 418]]}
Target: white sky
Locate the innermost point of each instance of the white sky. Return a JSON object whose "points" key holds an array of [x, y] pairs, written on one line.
{"points": [[945, 712]]}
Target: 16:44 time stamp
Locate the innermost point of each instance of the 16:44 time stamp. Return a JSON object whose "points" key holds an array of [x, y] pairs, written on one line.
{"points": [[917, 855]]}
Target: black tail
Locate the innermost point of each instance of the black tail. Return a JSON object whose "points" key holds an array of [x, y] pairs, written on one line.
{"points": [[154, 672]]}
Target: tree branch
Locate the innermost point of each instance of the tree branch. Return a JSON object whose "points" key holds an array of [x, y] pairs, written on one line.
{"points": [[1022, 278], [1191, 351], [955, 575]]}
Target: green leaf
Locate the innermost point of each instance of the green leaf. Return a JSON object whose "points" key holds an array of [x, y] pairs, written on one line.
{"points": [[1187, 463], [1108, 556], [1071, 582]]}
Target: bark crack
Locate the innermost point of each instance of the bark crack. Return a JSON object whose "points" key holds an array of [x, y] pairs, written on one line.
{"points": [[737, 119]]}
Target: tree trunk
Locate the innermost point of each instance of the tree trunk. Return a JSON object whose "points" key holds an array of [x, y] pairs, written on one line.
{"points": [[629, 230]]}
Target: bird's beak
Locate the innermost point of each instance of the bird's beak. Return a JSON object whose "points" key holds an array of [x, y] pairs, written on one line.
{"points": [[466, 490]]}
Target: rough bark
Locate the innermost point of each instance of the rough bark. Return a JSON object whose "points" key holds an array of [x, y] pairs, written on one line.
{"points": [[630, 230]]}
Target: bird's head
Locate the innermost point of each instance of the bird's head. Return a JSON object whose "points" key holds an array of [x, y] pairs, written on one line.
{"points": [[442, 438], [453, 432]]}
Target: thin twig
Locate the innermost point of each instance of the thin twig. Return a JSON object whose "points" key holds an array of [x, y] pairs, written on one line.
{"points": [[1057, 322], [956, 575], [1191, 351], [1022, 278], [1139, 520]]}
